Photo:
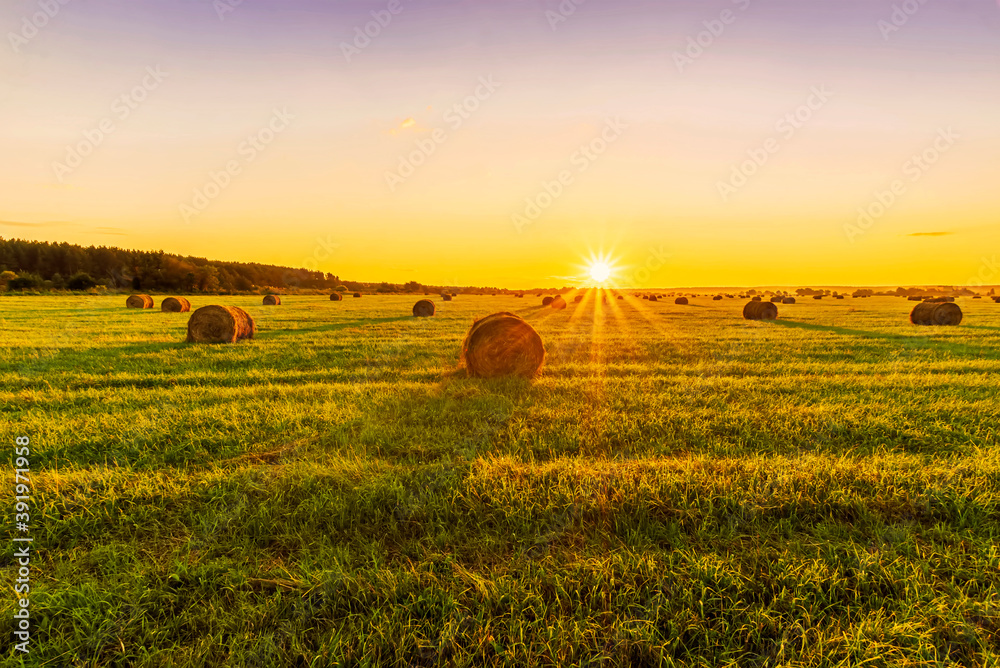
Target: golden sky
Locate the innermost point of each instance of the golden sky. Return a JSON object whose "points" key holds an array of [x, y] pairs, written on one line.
{"points": [[476, 144]]}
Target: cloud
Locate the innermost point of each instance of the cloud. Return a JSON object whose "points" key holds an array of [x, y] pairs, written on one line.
{"points": [[929, 234]]}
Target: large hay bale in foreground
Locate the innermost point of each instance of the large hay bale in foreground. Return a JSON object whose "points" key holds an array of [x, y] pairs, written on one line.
{"points": [[760, 311], [681, 300], [336, 297], [424, 308], [220, 324], [930, 313], [139, 301], [547, 300], [175, 305], [273, 300], [502, 344], [788, 300], [558, 303]]}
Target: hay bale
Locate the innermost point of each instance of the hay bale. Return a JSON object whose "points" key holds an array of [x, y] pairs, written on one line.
{"points": [[175, 305], [547, 300], [977, 296], [357, 295], [336, 297], [447, 298], [577, 299], [502, 344], [788, 300], [272, 300], [653, 298], [931, 313], [139, 301], [775, 300], [817, 296], [760, 311], [838, 296], [621, 296], [717, 298], [681, 300], [424, 308], [220, 324], [756, 299], [558, 303]]}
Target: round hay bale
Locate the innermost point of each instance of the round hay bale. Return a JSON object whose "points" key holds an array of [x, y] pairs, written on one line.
{"points": [[977, 296], [558, 303], [502, 344], [175, 305], [621, 296], [357, 295], [930, 313], [424, 308], [547, 300], [760, 311], [838, 296], [447, 298], [653, 298], [273, 300], [220, 324], [336, 297], [681, 300], [139, 301], [788, 300], [717, 298], [817, 296], [756, 299], [577, 299], [775, 300]]}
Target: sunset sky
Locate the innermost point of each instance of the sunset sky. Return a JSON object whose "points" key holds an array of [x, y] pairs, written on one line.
{"points": [[360, 164]]}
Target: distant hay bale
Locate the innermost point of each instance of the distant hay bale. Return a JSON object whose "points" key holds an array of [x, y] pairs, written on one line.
{"points": [[336, 297], [717, 298], [577, 299], [547, 300], [756, 299], [502, 344], [520, 295], [838, 296], [357, 295], [931, 313], [817, 296], [760, 311], [220, 324], [621, 296], [788, 300], [558, 303], [653, 298], [424, 308], [272, 300], [775, 300], [681, 300], [175, 305], [447, 298], [977, 296], [139, 301]]}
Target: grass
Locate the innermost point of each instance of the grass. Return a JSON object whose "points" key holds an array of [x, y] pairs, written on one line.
{"points": [[680, 487]]}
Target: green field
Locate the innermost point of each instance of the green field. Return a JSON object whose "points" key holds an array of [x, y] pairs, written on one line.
{"points": [[679, 487]]}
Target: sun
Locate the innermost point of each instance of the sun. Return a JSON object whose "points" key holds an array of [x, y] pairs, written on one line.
{"points": [[600, 270]]}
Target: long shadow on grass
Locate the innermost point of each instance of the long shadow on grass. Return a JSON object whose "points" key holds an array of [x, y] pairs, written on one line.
{"points": [[332, 327], [904, 341]]}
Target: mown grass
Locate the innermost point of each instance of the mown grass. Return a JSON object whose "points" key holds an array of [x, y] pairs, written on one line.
{"points": [[680, 487]]}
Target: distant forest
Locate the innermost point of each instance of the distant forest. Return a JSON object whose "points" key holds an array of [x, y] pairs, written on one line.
{"points": [[38, 266]]}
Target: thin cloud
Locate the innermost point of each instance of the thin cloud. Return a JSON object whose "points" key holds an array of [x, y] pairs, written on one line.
{"points": [[51, 223], [929, 234]]}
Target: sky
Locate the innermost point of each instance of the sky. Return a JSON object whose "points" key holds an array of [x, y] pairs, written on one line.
{"points": [[464, 142]]}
